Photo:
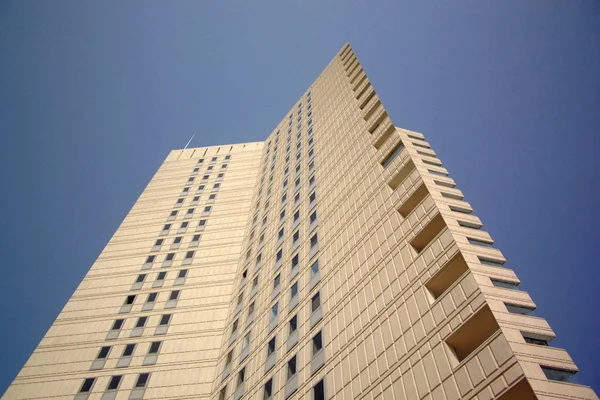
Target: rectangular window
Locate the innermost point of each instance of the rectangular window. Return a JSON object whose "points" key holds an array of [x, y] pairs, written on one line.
{"points": [[142, 380], [505, 285], [319, 391], [128, 351], [182, 273], [293, 324], [317, 343], [271, 347], [103, 353], [276, 281], [291, 367], [522, 310], [314, 268], [86, 387], [141, 322], [161, 276], [314, 240], [294, 290], [296, 236], [561, 375], [165, 319], [140, 278], [490, 262], [154, 347], [174, 295], [478, 242], [268, 389], [129, 299], [315, 302], [274, 311], [117, 324], [295, 261], [189, 255], [114, 382], [150, 259], [280, 234], [151, 297]]}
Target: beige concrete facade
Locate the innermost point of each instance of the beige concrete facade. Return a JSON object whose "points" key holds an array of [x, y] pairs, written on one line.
{"points": [[339, 260]]}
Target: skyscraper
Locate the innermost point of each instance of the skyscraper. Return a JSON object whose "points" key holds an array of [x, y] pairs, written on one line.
{"points": [[337, 259]]}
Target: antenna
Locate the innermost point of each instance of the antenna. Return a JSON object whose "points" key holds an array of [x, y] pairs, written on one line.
{"points": [[187, 144]]}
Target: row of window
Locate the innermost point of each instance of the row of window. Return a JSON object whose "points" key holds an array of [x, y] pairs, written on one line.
{"points": [[114, 383]]}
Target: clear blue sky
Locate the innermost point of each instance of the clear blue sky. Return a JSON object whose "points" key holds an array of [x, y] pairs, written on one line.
{"points": [[93, 95]]}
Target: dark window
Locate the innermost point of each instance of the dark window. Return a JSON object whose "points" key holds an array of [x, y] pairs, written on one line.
{"points": [[182, 273], [295, 260], [269, 388], [87, 385], [202, 222], [561, 375], [315, 302], [319, 391], [296, 236], [161, 276], [164, 320], [294, 289], [281, 232], [317, 342], [130, 299], [150, 259], [154, 347], [291, 367], [152, 297], [174, 213], [505, 285], [207, 208], [195, 238], [140, 278], [184, 224], [293, 324], [128, 350], [313, 197], [313, 217], [271, 347], [142, 380], [141, 322], [314, 240], [296, 215], [166, 227], [314, 268], [170, 257], [118, 324], [114, 382], [189, 254], [103, 353], [177, 239], [174, 295]]}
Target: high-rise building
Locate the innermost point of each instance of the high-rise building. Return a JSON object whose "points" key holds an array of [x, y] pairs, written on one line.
{"points": [[337, 259]]}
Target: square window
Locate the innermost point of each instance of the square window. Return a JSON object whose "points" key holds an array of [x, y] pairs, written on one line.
{"points": [[140, 278], [182, 273]]}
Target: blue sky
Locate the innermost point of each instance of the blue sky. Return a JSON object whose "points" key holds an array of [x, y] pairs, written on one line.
{"points": [[93, 95]]}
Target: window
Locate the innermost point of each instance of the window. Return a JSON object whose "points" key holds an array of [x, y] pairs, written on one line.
{"points": [[190, 211], [314, 268], [86, 387], [196, 169], [164, 319], [177, 239], [282, 215], [515, 309], [174, 213], [186, 189], [174, 295], [296, 236], [241, 376], [114, 382], [212, 196], [477, 242], [311, 181], [258, 259], [280, 234], [166, 227], [142, 380], [195, 238], [317, 343], [291, 367], [293, 324], [285, 183], [154, 347], [210, 167], [151, 297], [150, 259], [179, 201], [319, 391], [184, 225], [314, 240], [297, 183], [161, 276], [223, 166], [213, 159], [128, 351], [228, 157], [313, 217], [534, 340], [268, 389], [315, 302], [505, 285], [200, 188], [190, 179], [229, 358], [220, 176], [141, 322], [202, 222], [205, 177], [200, 161], [103, 353], [140, 278], [313, 197], [296, 216], [159, 242], [271, 347], [276, 281], [129, 299], [274, 311], [216, 185], [295, 261], [294, 290], [170, 257], [561, 375], [117, 324], [279, 255]]}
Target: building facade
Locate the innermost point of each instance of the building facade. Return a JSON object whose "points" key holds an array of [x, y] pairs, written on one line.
{"points": [[337, 259]]}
